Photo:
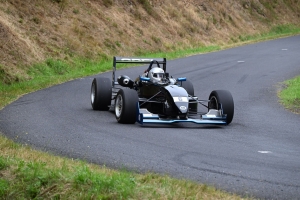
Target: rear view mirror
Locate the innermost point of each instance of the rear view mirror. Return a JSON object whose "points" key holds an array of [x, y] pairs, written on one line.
{"points": [[142, 78], [181, 79]]}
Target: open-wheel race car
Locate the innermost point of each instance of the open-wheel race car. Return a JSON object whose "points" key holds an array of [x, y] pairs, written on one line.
{"points": [[156, 97]]}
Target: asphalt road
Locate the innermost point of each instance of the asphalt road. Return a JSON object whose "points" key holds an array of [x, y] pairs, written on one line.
{"points": [[258, 154]]}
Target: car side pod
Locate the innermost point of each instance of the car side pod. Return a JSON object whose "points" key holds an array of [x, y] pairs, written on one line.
{"points": [[213, 117]]}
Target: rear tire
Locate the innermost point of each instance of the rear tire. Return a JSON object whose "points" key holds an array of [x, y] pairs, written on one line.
{"points": [[101, 92], [223, 97], [125, 106]]}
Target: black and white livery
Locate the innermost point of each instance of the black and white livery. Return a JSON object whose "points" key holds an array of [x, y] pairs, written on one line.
{"points": [[156, 97]]}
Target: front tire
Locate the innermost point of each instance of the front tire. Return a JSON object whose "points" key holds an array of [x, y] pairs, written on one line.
{"points": [[125, 106], [188, 86], [224, 98], [101, 93]]}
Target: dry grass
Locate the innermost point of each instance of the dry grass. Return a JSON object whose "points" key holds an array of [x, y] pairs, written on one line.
{"points": [[31, 31]]}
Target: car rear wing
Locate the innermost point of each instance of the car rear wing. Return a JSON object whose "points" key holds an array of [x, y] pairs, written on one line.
{"points": [[136, 60]]}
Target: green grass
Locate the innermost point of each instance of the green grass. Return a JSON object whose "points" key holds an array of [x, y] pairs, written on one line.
{"points": [[290, 94], [279, 30], [29, 174], [39, 180], [52, 72], [48, 73]]}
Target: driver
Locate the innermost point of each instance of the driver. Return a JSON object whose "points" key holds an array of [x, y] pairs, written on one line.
{"points": [[156, 75]]}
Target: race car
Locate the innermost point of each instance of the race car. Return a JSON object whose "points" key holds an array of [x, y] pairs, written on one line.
{"points": [[155, 97]]}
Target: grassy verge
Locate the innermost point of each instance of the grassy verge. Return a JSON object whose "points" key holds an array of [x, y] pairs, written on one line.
{"points": [[290, 95], [28, 174], [52, 72], [275, 32]]}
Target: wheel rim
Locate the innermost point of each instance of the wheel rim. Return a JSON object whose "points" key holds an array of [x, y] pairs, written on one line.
{"points": [[213, 104], [93, 93], [118, 106]]}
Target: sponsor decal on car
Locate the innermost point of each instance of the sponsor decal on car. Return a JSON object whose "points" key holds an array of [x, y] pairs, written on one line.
{"points": [[180, 99], [136, 60], [182, 108]]}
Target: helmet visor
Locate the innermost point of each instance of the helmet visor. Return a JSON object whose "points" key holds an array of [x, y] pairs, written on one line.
{"points": [[158, 75]]}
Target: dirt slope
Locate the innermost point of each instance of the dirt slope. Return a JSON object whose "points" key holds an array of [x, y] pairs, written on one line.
{"points": [[33, 30]]}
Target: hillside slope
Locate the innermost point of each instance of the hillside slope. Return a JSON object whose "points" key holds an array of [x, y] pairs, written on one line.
{"points": [[33, 30]]}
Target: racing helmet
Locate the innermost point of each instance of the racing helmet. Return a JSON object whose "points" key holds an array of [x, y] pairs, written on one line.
{"points": [[156, 74]]}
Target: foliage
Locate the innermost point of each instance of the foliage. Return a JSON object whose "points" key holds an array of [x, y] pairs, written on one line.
{"points": [[290, 94], [28, 174]]}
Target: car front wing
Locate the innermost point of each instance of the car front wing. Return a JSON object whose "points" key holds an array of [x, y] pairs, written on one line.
{"points": [[143, 116]]}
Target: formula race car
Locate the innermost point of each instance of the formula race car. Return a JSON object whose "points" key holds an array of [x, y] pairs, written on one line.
{"points": [[157, 97]]}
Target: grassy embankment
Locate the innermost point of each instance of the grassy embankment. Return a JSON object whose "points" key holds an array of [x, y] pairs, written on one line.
{"points": [[53, 72], [290, 95], [29, 174]]}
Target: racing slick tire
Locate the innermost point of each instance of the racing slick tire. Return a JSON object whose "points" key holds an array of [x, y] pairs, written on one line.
{"points": [[223, 97], [188, 86], [125, 106], [101, 92]]}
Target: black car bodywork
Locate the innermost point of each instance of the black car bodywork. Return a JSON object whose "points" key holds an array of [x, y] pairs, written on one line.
{"points": [[170, 101]]}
